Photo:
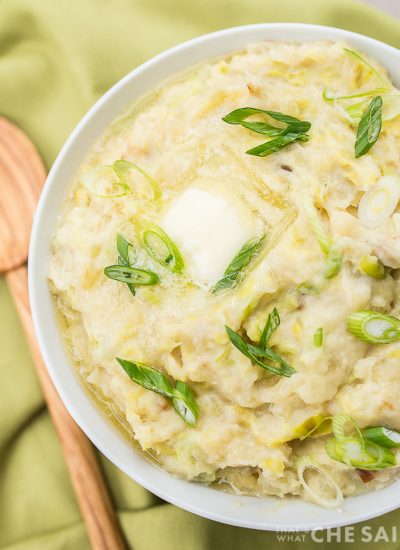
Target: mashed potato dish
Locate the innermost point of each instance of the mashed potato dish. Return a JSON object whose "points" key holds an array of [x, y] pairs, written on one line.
{"points": [[227, 266]]}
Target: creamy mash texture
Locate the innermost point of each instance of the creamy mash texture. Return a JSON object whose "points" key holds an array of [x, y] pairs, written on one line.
{"points": [[191, 177]]}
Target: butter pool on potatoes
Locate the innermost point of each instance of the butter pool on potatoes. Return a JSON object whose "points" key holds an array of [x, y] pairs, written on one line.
{"points": [[209, 229], [214, 198]]}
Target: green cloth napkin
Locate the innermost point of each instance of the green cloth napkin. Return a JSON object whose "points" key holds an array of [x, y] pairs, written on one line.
{"points": [[56, 58]]}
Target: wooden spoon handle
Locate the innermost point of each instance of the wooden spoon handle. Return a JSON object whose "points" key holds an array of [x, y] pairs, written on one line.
{"points": [[84, 470]]}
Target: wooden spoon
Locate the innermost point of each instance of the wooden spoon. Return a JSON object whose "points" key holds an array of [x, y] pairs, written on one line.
{"points": [[22, 175]]}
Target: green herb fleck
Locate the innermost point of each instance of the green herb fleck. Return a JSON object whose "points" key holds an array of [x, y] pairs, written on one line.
{"points": [[131, 275], [295, 129], [369, 127], [126, 256], [319, 337], [242, 259], [271, 325], [153, 380], [257, 354], [162, 249]]}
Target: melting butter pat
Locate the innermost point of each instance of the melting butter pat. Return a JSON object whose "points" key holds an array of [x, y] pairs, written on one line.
{"points": [[209, 229]]}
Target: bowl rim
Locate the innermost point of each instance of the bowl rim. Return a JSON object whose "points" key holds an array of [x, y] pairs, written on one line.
{"points": [[37, 278]]}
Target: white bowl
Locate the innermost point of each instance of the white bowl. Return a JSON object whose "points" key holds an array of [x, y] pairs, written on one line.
{"points": [[266, 513]]}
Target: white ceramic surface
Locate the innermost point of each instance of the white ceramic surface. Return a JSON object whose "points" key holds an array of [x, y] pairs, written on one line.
{"points": [[267, 513]]}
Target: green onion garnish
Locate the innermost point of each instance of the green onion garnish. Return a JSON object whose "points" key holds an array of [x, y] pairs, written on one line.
{"points": [[126, 251], [131, 275], [374, 327], [294, 129], [126, 256], [103, 182], [257, 354], [239, 116], [363, 62], [382, 436], [355, 449], [333, 262], [122, 169], [358, 453], [112, 181], [184, 403], [270, 327], [153, 380], [276, 144], [369, 127], [380, 202], [162, 249], [339, 422], [306, 463], [329, 95], [333, 255], [243, 258], [370, 265], [319, 337], [382, 88]]}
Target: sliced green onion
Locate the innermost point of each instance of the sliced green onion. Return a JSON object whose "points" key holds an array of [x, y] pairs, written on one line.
{"points": [[331, 447], [332, 253], [256, 355], [390, 110], [111, 181], [356, 109], [367, 65], [271, 325], [126, 250], [101, 181], [384, 457], [126, 256], [276, 144], [316, 226], [154, 380], [149, 378], [330, 95], [294, 131], [350, 451], [131, 275], [369, 127], [357, 453], [158, 247], [319, 337], [333, 262], [264, 128], [304, 463], [391, 106], [374, 327], [184, 403], [339, 422], [382, 436], [163, 250], [243, 259], [379, 203], [131, 287], [356, 450], [239, 116], [123, 167], [370, 265]]}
